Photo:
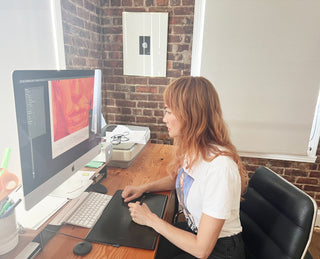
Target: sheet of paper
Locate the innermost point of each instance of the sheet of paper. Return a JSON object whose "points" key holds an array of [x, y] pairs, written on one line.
{"points": [[74, 186], [101, 157], [40, 213], [134, 136]]}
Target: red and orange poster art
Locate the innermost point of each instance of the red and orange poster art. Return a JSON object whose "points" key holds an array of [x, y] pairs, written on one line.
{"points": [[72, 99]]}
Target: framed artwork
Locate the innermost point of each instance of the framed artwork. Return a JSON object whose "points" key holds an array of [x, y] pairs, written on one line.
{"points": [[145, 37]]}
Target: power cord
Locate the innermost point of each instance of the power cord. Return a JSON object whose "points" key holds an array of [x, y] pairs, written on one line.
{"points": [[81, 248], [48, 232]]}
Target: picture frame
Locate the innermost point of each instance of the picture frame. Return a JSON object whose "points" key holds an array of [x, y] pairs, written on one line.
{"points": [[145, 43]]}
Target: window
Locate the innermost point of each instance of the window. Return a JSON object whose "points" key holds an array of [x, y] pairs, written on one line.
{"points": [[263, 58]]}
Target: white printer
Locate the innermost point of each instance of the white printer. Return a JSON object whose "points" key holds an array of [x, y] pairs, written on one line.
{"points": [[127, 142]]}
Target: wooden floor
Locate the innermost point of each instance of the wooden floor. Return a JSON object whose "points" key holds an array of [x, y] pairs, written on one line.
{"points": [[314, 247]]}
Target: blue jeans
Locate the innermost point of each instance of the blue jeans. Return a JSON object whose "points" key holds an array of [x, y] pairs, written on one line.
{"points": [[225, 248]]}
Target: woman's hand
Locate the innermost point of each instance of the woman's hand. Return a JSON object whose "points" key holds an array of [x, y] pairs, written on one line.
{"points": [[131, 192], [141, 214]]}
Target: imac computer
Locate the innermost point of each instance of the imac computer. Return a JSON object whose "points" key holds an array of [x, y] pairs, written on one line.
{"points": [[58, 116]]}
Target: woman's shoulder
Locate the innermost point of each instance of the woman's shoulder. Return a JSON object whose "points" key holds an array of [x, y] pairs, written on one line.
{"points": [[222, 165], [218, 163], [215, 162], [222, 160]]}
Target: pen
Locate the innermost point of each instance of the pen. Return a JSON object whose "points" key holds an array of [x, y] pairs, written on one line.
{"points": [[142, 199], [5, 159], [11, 208], [4, 208], [18, 188], [3, 202]]}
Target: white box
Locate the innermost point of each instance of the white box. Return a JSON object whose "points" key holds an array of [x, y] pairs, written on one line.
{"points": [[125, 153]]}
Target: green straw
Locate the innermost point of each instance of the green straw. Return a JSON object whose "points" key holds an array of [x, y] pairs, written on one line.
{"points": [[5, 160]]}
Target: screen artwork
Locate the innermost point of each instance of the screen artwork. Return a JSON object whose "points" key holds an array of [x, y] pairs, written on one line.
{"points": [[72, 103]]}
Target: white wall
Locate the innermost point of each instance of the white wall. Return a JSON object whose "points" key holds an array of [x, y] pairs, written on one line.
{"points": [[32, 38]]}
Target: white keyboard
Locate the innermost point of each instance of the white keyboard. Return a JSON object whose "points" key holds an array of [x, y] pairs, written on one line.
{"points": [[83, 211]]}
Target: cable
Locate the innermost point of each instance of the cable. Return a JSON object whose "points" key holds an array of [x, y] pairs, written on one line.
{"points": [[60, 233], [47, 228], [81, 248], [63, 234], [48, 232]]}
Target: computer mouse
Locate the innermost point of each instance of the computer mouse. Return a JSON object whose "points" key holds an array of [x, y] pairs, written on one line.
{"points": [[82, 248]]}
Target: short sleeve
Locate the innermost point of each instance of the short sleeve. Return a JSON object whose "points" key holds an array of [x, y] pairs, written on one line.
{"points": [[220, 190]]}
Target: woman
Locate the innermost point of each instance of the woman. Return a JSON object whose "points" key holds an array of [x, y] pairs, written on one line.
{"points": [[207, 173]]}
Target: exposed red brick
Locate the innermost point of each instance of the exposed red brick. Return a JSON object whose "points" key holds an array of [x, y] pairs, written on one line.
{"points": [[175, 2], [188, 2], [315, 174], [115, 2], [136, 80], [147, 89], [147, 105], [309, 181], [311, 188], [158, 81], [145, 119], [138, 97], [162, 2], [126, 2], [184, 10], [295, 172], [156, 97], [125, 103], [138, 2]]}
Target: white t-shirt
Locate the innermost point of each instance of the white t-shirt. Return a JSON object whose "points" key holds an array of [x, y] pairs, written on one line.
{"points": [[212, 188]]}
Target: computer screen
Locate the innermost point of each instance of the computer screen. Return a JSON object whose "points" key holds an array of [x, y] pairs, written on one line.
{"points": [[58, 116]]}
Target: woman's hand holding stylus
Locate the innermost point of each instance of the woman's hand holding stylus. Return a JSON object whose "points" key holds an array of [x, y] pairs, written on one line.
{"points": [[141, 214]]}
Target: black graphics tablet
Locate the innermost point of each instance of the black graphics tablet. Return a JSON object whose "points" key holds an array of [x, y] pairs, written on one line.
{"points": [[116, 228]]}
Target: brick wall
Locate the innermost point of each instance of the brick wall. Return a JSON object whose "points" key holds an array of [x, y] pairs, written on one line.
{"points": [[83, 40], [138, 100], [93, 39]]}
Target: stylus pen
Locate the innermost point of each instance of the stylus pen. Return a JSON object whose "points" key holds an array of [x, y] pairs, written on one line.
{"points": [[142, 199]]}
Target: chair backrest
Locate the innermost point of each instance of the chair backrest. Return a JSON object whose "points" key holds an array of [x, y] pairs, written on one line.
{"points": [[277, 217]]}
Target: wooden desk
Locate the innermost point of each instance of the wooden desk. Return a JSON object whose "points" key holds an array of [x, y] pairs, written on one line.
{"points": [[314, 247], [149, 166]]}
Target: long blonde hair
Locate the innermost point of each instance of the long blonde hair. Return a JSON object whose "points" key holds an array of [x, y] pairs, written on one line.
{"points": [[195, 103]]}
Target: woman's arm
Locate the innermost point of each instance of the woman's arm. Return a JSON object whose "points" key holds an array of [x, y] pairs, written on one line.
{"points": [[199, 245], [132, 192]]}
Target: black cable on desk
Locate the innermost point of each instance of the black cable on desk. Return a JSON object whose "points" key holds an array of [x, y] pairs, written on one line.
{"points": [[46, 234], [55, 230]]}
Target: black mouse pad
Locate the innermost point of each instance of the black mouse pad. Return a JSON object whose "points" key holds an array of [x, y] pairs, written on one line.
{"points": [[116, 228]]}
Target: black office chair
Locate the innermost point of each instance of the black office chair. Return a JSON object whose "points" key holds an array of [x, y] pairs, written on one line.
{"points": [[277, 218]]}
